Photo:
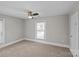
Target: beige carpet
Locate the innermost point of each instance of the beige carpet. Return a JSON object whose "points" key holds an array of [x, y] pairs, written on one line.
{"points": [[33, 49]]}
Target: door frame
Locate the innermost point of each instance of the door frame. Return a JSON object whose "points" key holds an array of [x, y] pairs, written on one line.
{"points": [[3, 33], [74, 50]]}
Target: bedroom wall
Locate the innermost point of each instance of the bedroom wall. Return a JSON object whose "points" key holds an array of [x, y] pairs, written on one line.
{"points": [[14, 28], [57, 29]]}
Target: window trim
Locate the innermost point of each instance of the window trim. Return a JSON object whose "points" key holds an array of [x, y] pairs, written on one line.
{"points": [[36, 30]]}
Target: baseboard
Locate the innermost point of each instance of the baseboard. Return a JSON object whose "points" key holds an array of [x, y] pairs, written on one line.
{"points": [[75, 52], [40, 41], [7, 44]]}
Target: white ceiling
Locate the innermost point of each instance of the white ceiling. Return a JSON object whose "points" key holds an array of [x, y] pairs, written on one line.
{"points": [[52, 8]]}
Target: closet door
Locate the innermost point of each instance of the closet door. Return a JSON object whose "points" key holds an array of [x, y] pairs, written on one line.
{"points": [[1, 28], [74, 33], [2, 31]]}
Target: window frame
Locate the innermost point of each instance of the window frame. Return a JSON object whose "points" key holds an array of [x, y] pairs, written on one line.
{"points": [[36, 29]]}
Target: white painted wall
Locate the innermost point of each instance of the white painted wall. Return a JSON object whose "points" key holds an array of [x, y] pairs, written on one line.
{"points": [[57, 29], [14, 28]]}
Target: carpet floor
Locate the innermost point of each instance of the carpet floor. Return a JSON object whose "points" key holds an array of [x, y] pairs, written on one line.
{"points": [[33, 49]]}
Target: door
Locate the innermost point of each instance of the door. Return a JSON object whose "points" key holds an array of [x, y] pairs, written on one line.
{"points": [[74, 32], [1, 30]]}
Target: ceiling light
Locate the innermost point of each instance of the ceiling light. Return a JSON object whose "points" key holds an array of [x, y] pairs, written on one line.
{"points": [[30, 17]]}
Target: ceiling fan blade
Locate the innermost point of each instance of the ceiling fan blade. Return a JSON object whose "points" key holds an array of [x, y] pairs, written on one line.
{"points": [[35, 14], [30, 13]]}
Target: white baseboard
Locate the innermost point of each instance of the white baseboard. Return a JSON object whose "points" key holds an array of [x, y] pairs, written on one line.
{"points": [[75, 52], [7, 44], [41, 41]]}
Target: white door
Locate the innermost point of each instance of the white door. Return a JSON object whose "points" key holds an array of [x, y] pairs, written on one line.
{"points": [[74, 32], [1, 30]]}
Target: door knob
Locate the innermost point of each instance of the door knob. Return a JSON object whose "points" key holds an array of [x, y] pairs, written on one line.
{"points": [[70, 35]]}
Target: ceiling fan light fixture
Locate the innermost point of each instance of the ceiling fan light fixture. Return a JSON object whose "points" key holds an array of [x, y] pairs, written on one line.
{"points": [[30, 17]]}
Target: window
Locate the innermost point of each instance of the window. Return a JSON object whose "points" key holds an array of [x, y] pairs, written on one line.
{"points": [[40, 30]]}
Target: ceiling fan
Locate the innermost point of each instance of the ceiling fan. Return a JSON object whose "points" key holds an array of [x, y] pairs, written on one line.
{"points": [[31, 14]]}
